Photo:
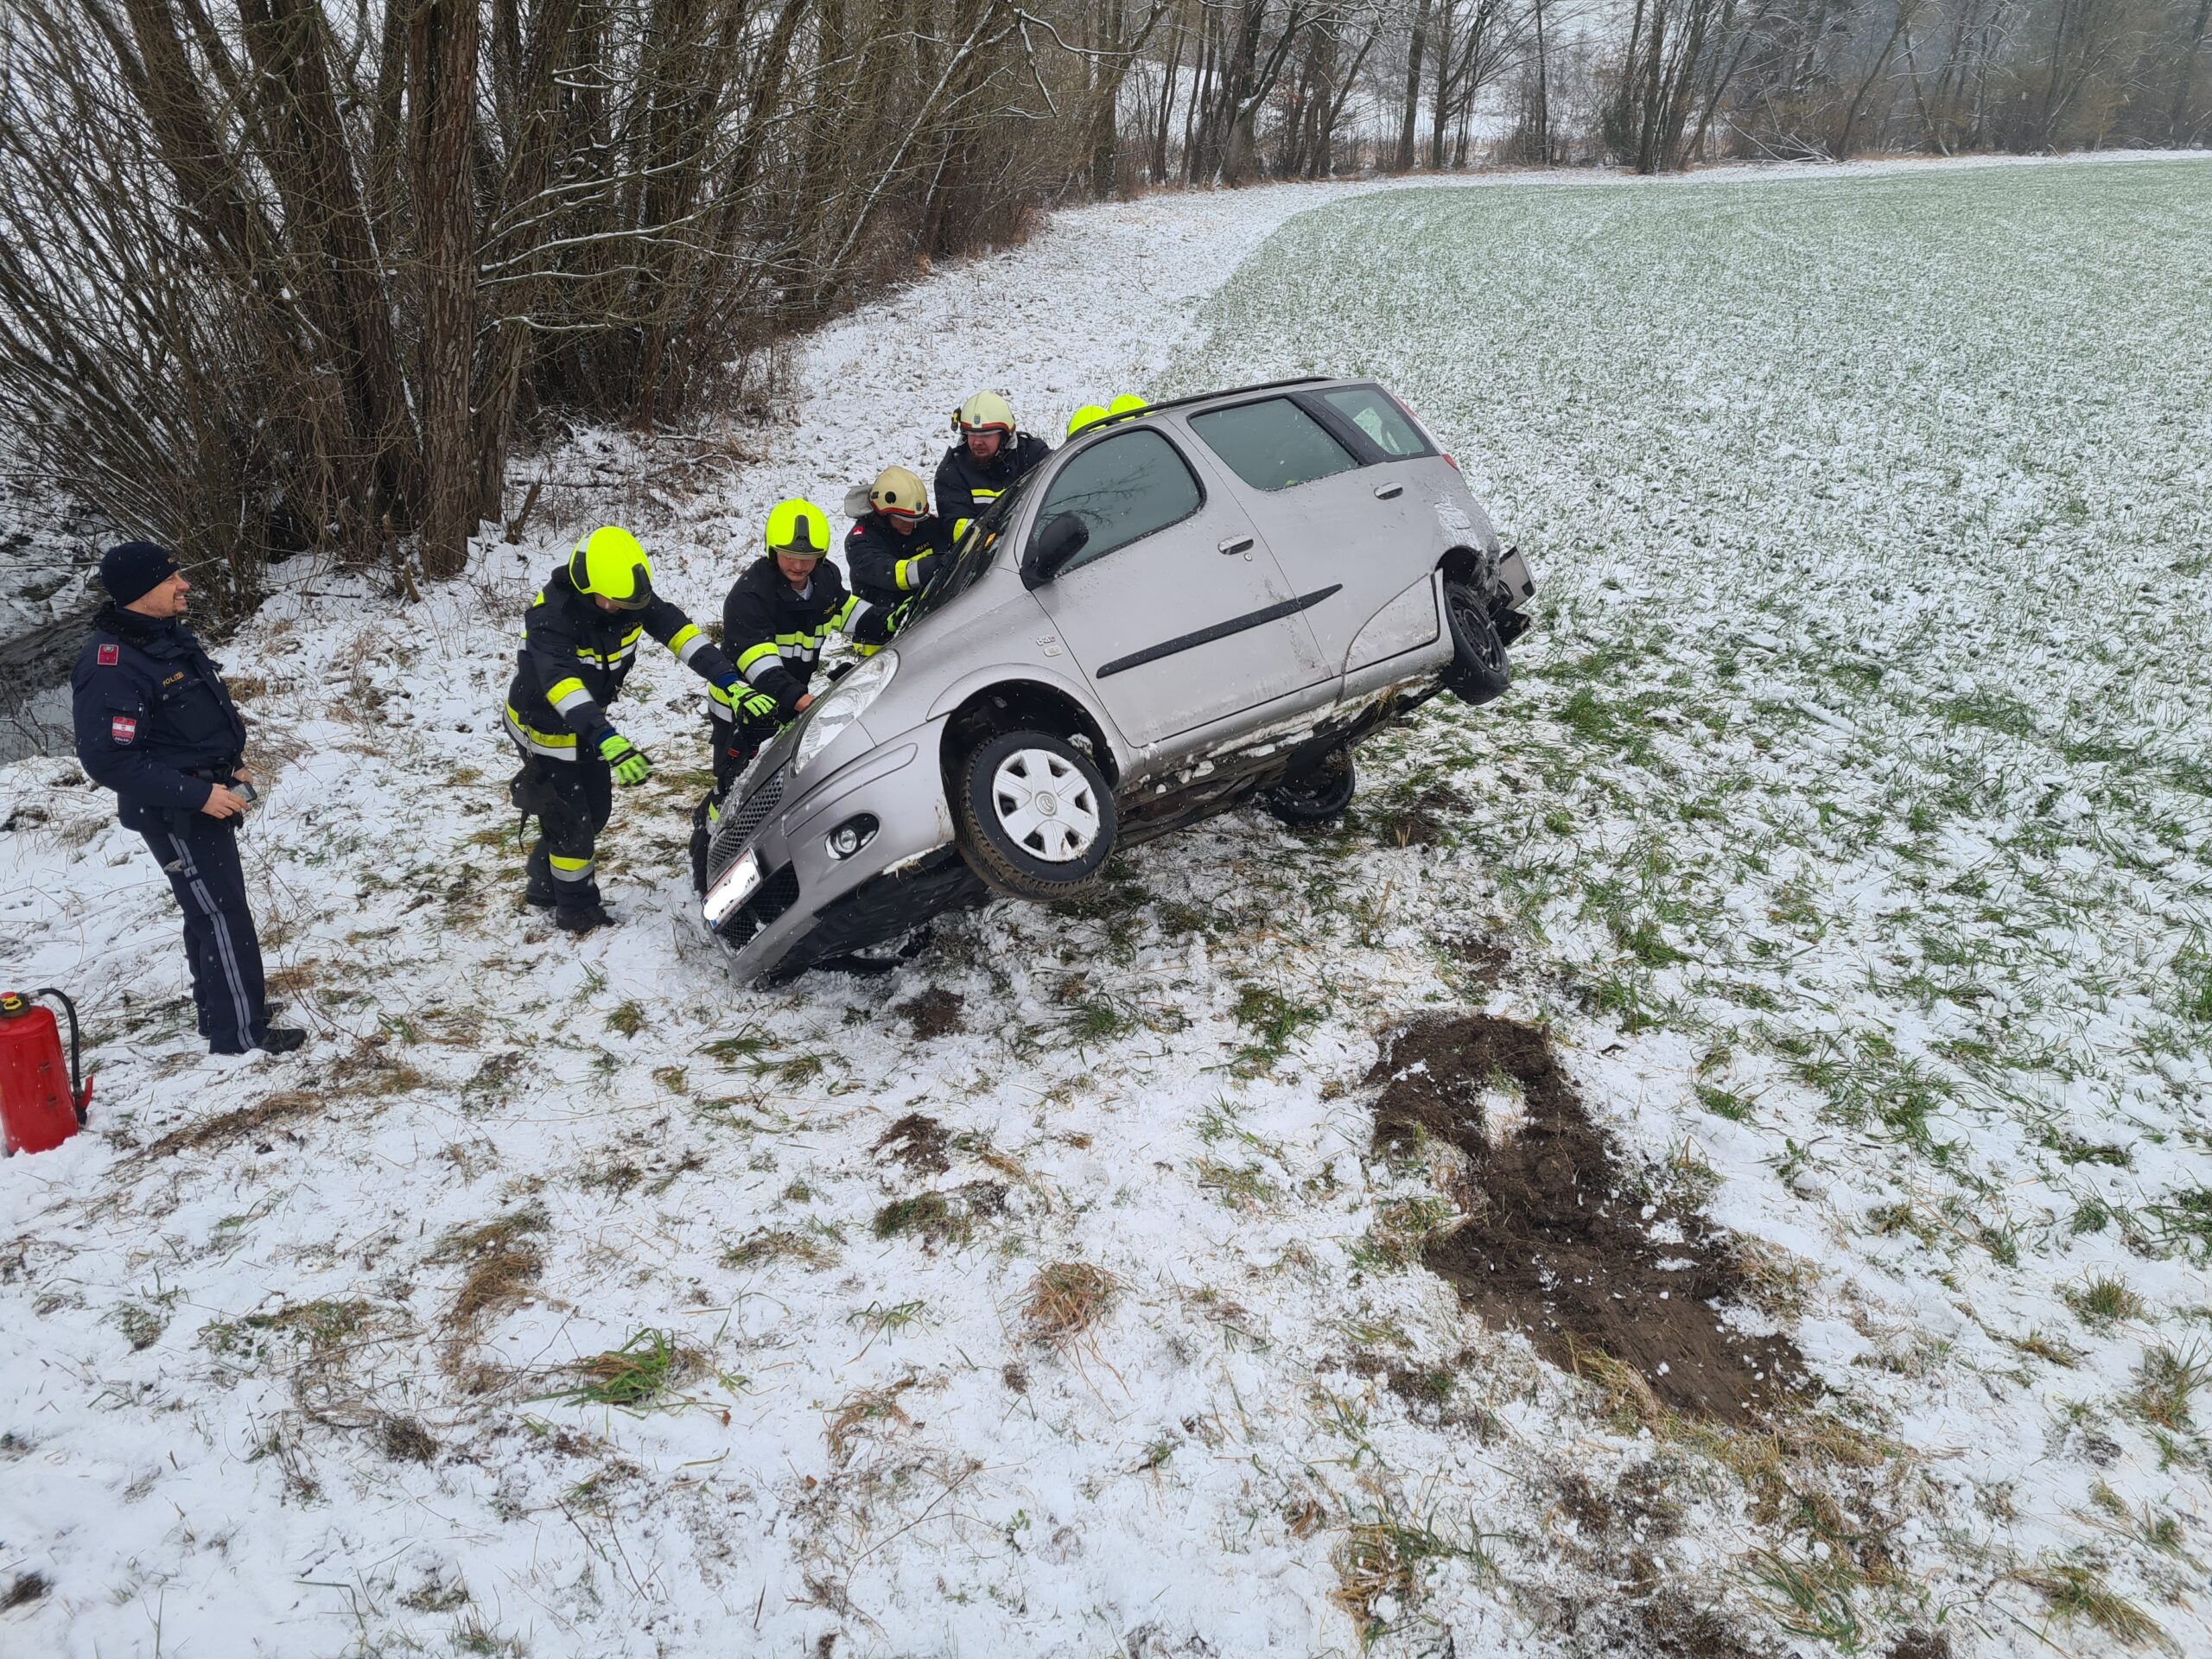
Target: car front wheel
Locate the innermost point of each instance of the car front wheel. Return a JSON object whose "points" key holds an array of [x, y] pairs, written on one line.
{"points": [[1037, 819], [1479, 671], [1318, 795]]}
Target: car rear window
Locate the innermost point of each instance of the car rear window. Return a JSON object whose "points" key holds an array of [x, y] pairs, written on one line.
{"points": [[1122, 489], [1374, 412], [1271, 445]]}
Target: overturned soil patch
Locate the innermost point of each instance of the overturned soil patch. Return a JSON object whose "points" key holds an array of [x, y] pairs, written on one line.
{"points": [[1550, 1244], [918, 1142]]}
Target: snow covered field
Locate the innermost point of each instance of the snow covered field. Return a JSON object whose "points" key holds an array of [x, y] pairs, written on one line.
{"points": [[1848, 835]]}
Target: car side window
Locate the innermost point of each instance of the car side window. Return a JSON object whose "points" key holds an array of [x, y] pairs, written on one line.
{"points": [[1375, 413], [1123, 489], [1273, 445]]}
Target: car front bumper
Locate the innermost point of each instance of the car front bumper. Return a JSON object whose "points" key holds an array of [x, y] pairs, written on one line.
{"points": [[808, 903]]}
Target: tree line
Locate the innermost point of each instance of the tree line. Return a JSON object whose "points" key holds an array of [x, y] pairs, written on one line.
{"points": [[278, 275]]}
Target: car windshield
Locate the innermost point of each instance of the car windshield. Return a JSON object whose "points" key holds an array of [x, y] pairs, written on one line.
{"points": [[972, 555]]}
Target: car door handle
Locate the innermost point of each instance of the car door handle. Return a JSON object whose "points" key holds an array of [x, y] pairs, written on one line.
{"points": [[1388, 492], [1237, 544]]}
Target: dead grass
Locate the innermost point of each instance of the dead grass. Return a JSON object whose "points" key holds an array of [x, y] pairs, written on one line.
{"points": [[503, 1263], [1066, 1299], [245, 1122], [869, 1412], [768, 1245]]}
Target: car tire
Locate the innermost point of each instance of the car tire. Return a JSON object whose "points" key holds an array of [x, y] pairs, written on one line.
{"points": [[1320, 796], [1479, 671], [1035, 814]]}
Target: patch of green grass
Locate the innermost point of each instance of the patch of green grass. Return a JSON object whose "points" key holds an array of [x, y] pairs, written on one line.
{"points": [[2165, 1384], [1722, 1103], [1240, 1187], [2193, 983], [1273, 1020], [745, 1046], [2070, 1590], [629, 1019], [2184, 1220], [2099, 1300], [633, 1375]]}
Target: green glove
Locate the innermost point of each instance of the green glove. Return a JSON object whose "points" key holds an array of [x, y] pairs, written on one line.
{"points": [[899, 616], [756, 705], [628, 760]]}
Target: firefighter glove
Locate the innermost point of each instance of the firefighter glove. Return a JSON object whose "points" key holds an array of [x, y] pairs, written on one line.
{"points": [[901, 614], [756, 705], [629, 761]]}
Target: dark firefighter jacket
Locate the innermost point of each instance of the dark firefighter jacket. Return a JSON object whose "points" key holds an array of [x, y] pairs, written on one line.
{"points": [[888, 567], [777, 633], [151, 712], [575, 658], [966, 486]]}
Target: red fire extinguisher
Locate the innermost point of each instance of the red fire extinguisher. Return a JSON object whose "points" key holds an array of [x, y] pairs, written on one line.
{"points": [[40, 1107]]}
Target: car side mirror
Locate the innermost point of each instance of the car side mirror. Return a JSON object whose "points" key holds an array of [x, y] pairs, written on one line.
{"points": [[1056, 545]]}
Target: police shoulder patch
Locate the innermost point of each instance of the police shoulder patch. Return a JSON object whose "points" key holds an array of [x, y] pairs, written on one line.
{"points": [[109, 656], [122, 728]]}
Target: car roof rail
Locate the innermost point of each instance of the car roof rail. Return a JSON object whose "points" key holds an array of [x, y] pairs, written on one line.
{"points": [[1208, 396]]}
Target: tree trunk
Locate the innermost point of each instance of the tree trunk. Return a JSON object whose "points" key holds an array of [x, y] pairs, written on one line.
{"points": [[441, 110], [1405, 157]]}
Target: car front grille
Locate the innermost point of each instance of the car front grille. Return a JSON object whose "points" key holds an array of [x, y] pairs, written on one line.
{"points": [[778, 895], [743, 822]]}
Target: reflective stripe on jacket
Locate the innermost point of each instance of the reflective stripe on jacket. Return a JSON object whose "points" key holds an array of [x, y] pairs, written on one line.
{"points": [[575, 658], [887, 567], [776, 633], [966, 486]]}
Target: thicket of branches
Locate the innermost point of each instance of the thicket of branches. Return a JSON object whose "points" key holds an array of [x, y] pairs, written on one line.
{"points": [[277, 273]]}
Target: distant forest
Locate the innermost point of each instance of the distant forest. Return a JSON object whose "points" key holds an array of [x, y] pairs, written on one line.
{"points": [[288, 274]]}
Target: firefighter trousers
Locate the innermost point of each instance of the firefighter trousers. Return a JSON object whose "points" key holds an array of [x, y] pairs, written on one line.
{"points": [[571, 801]]}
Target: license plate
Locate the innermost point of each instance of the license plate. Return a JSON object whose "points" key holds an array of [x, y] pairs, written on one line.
{"points": [[731, 889]]}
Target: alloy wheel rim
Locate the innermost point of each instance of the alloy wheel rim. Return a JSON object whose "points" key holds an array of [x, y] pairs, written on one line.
{"points": [[1045, 806]]}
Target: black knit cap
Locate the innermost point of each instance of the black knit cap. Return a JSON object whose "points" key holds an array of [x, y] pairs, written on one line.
{"points": [[131, 570]]}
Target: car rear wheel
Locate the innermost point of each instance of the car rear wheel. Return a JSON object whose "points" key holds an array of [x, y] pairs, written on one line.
{"points": [[1037, 819], [1318, 795], [1479, 671]]}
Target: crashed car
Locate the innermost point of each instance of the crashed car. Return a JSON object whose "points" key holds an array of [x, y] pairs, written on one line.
{"points": [[1202, 604]]}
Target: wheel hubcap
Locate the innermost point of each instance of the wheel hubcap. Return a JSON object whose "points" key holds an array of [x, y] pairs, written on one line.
{"points": [[1045, 806]]}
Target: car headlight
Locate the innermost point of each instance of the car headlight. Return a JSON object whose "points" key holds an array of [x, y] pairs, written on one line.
{"points": [[842, 704]]}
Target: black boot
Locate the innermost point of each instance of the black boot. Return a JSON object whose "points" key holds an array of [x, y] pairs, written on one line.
{"points": [[282, 1040], [581, 919]]}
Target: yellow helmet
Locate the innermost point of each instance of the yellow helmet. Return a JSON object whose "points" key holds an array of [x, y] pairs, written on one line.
{"points": [[897, 490], [1089, 414], [1128, 403], [799, 529], [609, 564], [985, 412]]}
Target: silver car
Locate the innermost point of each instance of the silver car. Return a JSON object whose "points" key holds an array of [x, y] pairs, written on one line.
{"points": [[1195, 606]]}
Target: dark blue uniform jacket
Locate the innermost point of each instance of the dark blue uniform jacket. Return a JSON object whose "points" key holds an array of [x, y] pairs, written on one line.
{"points": [[151, 710]]}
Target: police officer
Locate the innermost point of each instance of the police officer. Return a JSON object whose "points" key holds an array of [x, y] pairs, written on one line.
{"points": [[155, 725], [894, 549], [983, 465], [580, 640]]}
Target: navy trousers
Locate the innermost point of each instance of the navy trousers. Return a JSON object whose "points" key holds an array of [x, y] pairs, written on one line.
{"points": [[201, 862]]}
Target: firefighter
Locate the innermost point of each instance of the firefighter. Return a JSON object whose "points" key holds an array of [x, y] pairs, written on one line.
{"points": [[1089, 415], [779, 614], [895, 548], [1128, 403], [155, 725], [990, 455], [580, 639]]}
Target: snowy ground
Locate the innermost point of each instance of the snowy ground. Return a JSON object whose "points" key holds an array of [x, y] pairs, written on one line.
{"points": [[1849, 829]]}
